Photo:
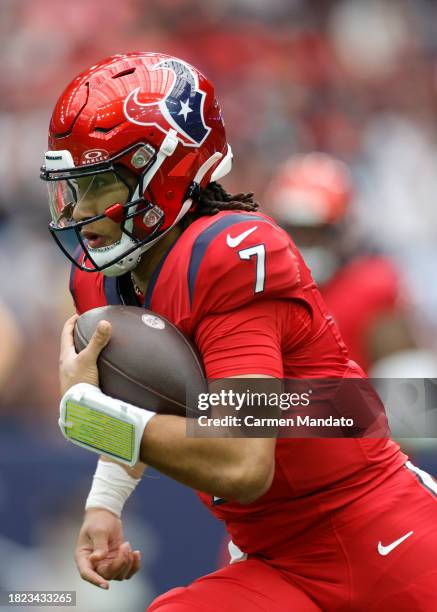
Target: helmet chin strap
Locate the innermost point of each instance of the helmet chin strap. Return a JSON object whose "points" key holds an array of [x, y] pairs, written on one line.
{"points": [[102, 255], [130, 262]]}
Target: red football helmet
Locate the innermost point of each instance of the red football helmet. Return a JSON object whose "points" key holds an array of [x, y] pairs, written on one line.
{"points": [[152, 114], [310, 190]]}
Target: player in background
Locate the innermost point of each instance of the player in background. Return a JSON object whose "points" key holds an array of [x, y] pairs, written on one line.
{"points": [[311, 197], [136, 147]]}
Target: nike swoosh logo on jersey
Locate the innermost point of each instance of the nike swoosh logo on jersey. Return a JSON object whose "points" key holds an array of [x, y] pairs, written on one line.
{"points": [[234, 242], [385, 550]]}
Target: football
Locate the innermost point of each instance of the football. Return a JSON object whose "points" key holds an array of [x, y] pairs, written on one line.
{"points": [[148, 362]]}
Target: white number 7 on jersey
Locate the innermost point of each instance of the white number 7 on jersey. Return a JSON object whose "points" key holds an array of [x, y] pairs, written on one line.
{"points": [[258, 251]]}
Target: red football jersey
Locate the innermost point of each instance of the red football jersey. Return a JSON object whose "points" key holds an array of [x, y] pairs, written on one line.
{"points": [[357, 295], [236, 285]]}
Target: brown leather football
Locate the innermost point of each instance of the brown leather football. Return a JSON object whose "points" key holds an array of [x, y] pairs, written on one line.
{"points": [[148, 361]]}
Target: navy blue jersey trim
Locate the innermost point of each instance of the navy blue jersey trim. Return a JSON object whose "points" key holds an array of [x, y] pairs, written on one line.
{"points": [[125, 290], [205, 238], [155, 275], [110, 287], [422, 477]]}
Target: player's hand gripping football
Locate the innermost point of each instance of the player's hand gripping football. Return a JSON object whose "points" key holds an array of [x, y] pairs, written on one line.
{"points": [[81, 367], [102, 554]]}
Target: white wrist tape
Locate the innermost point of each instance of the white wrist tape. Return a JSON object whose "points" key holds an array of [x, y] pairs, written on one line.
{"points": [[111, 487], [103, 424]]}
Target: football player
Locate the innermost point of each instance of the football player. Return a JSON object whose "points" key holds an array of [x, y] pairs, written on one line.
{"points": [[311, 197], [137, 147]]}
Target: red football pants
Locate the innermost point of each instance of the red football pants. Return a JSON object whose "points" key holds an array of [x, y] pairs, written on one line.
{"points": [[378, 554]]}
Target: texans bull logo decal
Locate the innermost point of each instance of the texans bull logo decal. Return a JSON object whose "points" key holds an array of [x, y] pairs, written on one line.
{"points": [[181, 107]]}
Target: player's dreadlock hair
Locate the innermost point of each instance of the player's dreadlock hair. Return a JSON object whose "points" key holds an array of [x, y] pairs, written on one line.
{"points": [[214, 199]]}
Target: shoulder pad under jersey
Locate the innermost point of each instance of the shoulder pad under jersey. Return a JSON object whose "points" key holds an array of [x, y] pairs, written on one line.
{"points": [[241, 257]]}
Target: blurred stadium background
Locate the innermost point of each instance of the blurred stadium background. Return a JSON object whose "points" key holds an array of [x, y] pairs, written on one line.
{"points": [[354, 79]]}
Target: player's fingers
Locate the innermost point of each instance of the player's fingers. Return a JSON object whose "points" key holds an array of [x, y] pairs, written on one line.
{"points": [[67, 342], [100, 546], [135, 565], [116, 567], [99, 340], [126, 569], [87, 573], [112, 570]]}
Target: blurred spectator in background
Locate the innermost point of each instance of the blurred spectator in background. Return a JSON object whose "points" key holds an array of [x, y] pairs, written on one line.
{"points": [[311, 196], [32, 308], [11, 341]]}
